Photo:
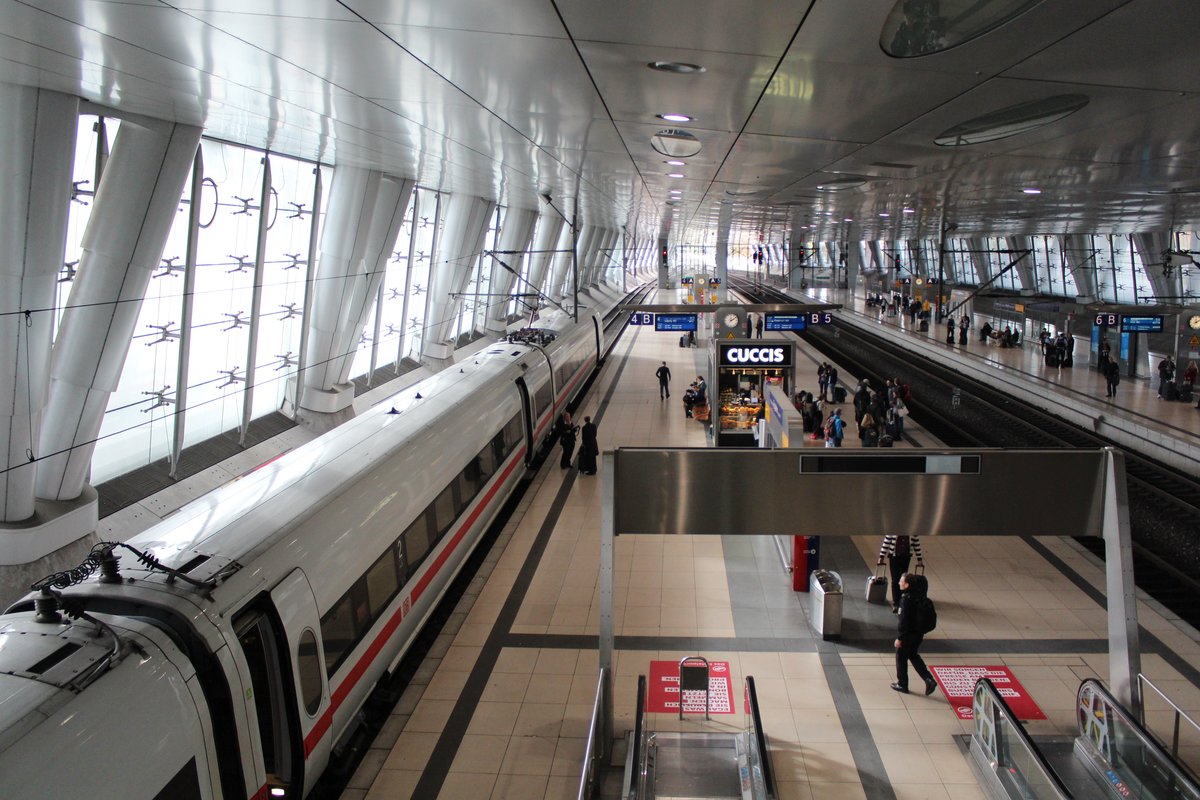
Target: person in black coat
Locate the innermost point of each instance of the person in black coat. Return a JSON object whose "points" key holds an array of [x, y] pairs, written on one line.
{"points": [[589, 448], [909, 634], [566, 438], [1112, 375]]}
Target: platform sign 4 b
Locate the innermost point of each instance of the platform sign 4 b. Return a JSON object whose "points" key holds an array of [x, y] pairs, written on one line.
{"points": [[664, 690], [958, 684]]}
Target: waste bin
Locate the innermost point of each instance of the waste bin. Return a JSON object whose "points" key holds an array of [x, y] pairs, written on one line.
{"points": [[825, 588]]}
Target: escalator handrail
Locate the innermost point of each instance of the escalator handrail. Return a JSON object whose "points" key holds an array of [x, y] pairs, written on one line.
{"points": [[760, 738], [638, 732], [594, 748], [985, 685], [1147, 739], [1143, 682]]}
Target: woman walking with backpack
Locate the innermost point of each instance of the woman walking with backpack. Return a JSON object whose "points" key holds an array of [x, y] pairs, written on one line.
{"points": [[917, 618]]}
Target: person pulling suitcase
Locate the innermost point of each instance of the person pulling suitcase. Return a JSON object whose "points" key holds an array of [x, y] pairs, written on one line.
{"points": [[898, 551]]}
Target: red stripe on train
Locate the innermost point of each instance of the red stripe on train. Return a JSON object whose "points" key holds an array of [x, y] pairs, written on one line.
{"points": [[352, 678]]}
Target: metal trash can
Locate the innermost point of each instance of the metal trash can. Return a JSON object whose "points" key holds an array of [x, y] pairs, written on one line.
{"points": [[825, 589]]}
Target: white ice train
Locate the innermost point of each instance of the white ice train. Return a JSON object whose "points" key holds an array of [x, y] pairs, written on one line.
{"points": [[286, 596]]}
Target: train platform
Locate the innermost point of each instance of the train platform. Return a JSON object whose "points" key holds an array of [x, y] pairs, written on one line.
{"points": [[500, 706], [1137, 418]]}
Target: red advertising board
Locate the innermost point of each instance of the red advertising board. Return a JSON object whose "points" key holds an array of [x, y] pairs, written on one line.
{"points": [[958, 684], [664, 690]]}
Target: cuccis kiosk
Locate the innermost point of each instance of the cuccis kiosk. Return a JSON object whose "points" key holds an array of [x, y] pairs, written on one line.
{"points": [[744, 368]]}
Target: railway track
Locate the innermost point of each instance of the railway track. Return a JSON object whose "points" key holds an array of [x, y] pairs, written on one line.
{"points": [[1164, 504]]}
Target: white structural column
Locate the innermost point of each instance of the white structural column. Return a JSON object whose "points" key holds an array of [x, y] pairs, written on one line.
{"points": [[512, 242], [1024, 267], [37, 151], [589, 257], [462, 239], [853, 265], [1151, 247], [1081, 263], [387, 216], [721, 270], [541, 255], [608, 259], [560, 266], [561, 290], [135, 205], [361, 213]]}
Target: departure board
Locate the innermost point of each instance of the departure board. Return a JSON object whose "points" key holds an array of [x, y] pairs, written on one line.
{"points": [[675, 322]]}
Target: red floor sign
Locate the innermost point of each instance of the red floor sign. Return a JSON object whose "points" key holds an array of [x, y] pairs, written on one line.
{"points": [[664, 690], [958, 684]]}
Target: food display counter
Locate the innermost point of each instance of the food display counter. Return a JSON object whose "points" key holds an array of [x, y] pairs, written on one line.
{"points": [[744, 370]]}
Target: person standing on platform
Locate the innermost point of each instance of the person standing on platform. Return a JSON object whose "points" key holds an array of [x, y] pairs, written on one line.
{"points": [[949, 330], [566, 438], [1104, 350], [1166, 374], [758, 326], [898, 552], [589, 448], [749, 326], [1112, 376], [964, 325], [917, 616], [838, 428], [664, 381]]}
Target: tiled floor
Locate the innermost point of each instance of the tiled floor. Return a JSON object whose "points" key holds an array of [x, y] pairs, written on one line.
{"points": [[501, 707]]}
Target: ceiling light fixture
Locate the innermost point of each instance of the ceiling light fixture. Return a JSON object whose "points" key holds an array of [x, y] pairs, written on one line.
{"points": [[675, 175], [1032, 191], [674, 117], [676, 163], [678, 67], [885, 214], [909, 211]]}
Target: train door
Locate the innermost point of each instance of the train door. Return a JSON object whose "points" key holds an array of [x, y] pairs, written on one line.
{"points": [[267, 640], [528, 415]]}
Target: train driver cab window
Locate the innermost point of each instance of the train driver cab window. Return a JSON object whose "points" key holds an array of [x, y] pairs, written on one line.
{"points": [[308, 664]]}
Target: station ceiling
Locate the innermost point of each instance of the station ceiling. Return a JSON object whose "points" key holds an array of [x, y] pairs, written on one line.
{"points": [[799, 115]]}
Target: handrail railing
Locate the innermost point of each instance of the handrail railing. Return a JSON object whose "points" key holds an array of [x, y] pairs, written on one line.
{"points": [[1143, 682], [1011, 752], [596, 749], [760, 739], [638, 773], [1121, 746]]}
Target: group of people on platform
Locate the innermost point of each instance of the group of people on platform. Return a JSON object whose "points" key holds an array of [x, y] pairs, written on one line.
{"points": [[1009, 337], [567, 431], [878, 413]]}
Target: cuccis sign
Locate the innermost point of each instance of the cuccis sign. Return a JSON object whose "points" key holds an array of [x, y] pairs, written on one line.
{"points": [[739, 355]]}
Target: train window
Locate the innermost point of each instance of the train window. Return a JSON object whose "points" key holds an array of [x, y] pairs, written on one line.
{"points": [[512, 435], [337, 633], [416, 542], [382, 583], [445, 510], [487, 464], [544, 397], [362, 609], [308, 664], [471, 480], [184, 786]]}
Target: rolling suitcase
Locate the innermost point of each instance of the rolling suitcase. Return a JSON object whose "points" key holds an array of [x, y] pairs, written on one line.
{"points": [[877, 588], [683, 341], [839, 394], [1172, 391], [886, 441], [1185, 393]]}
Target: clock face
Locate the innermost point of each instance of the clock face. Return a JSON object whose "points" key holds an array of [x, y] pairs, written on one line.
{"points": [[731, 320], [1194, 322]]}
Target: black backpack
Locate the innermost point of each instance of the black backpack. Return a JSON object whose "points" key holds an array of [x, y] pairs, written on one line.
{"points": [[926, 616]]}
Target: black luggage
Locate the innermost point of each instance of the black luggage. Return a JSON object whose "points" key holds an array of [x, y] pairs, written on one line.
{"points": [[889, 429], [886, 441], [683, 340], [1051, 359], [1172, 391], [1185, 393], [924, 325], [839, 394]]}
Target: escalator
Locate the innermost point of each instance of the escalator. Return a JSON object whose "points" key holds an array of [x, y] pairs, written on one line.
{"points": [[661, 765], [1112, 755]]}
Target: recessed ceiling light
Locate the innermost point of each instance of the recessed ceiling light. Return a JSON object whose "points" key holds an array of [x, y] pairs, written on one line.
{"points": [[678, 67], [909, 211], [885, 215], [674, 117], [676, 163], [1032, 191], [674, 174], [848, 219]]}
